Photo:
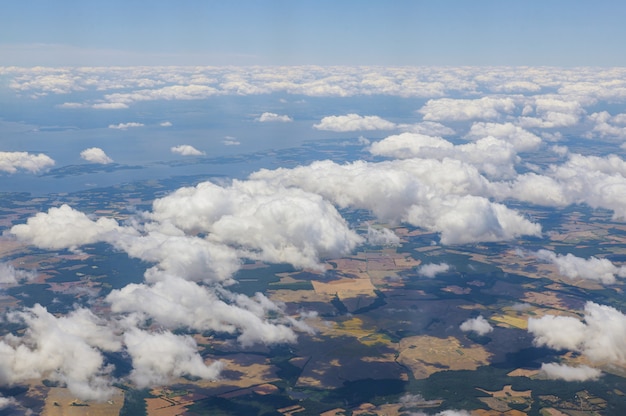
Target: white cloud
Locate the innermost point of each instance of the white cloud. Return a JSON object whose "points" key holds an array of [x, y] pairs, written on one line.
{"points": [[522, 140], [273, 117], [65, 349], [479, 325], [174, 302], [564, 372], [354, 122], [432, 269], [186, 150], [601, 336], [607, 126], [166, 124], [9, 275], [95, 155], [109, 106], [426, 193], [171, 92], [462, 109], [492, 156], [593, 268], [63, 227], [550, 111], [11, 162], [125, 126], [270, 223], [382, 236], [230, 141], [159, 357]]}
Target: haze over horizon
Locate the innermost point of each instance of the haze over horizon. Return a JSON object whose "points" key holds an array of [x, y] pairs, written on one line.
{"points": [[281, 32]]}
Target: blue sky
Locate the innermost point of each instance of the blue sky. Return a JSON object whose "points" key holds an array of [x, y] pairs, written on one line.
{"points": [[442, 32]]}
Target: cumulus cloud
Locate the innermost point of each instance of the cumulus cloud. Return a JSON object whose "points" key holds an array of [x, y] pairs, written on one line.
{"points": [[353, 122], [9, 275], [63, 227], [173, 302], [159, 357], [522, 140], [463, 109], [95, 155], [431, 270], [65, 349], [273, 117], [593, 268], [551, 112], [166, 124], [11, 162], [382, 237], [600, 336], [495, 157], [186, 150], [598, 181], [479, 325], [269, 223], [125, 126], [565, 372], [423, 192]]}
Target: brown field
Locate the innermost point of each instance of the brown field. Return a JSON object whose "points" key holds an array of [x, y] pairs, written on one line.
{"points": [[61, 402], [345, 288], [426, 355]]}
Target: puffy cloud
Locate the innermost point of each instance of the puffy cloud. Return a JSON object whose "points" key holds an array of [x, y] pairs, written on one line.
{"points": [[599, 182], [191, 257], [432, 269], [425, 193], [273, 117], [354, 122], [186, 150], [9, 275], [593, 268], [166, 124], [171, 92], [601, 336], [493, 156], [409, 145], [125, 126], [382, 237], [95, 155], [428, 128], [65, 349], [463, 109], [63, 227], [269, 223], [551, 112], [564, 372], [11, 162], [522, 140], [162, 356], [173, 302], [479, 325]]}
